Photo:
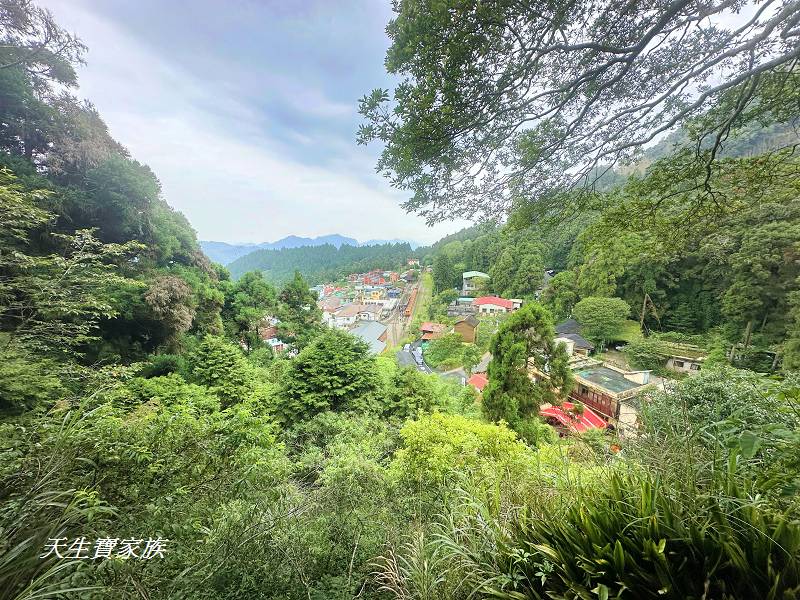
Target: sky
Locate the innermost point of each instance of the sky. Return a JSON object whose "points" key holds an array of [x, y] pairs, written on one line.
{"points": [[247, 110]]}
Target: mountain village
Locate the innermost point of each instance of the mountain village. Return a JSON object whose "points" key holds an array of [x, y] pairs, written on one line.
{"points": [[383, 308]]}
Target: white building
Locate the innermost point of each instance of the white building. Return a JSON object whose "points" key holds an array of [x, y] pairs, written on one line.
{"points": [[491, 305], [473, 281]]}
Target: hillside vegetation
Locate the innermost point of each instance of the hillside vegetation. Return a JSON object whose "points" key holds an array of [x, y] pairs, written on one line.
{"points": [[320, 263]]}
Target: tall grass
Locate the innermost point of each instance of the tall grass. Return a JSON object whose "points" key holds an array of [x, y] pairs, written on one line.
{"points": [[635, 538], [672, 520], [36, 505]]}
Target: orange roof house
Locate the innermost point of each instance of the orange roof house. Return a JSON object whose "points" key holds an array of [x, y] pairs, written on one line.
{"points": [[478, 381]]}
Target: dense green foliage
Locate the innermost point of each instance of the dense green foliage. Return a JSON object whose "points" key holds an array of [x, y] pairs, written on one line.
{"points": [[729, 275], [323, 263], [696, 234], [449, 351], [525, 340], [336, 372], [497, 103], [138, 398], [514, 259], [679, 516], [601, 319]]}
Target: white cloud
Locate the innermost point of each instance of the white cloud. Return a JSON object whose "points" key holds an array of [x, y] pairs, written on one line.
{"points": [[210, 152]]}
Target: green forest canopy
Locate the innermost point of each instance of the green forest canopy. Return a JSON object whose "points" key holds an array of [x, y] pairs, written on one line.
{"points": [[506, 102], [319, 264]]}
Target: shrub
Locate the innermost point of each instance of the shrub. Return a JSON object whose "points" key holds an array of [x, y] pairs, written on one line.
{"points": [[335, 372], [220, 366], [722, 401], [446, 351], [410, 392], [536, 433], [632, 536], [26, 380], [167, 390], [646, 353], [436, 445], [163, 364], [639, 538]]}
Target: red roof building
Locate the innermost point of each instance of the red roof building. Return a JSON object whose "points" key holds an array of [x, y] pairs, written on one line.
{"points": [[371, 279], [478, 381], [488, 304], [567, 419]]}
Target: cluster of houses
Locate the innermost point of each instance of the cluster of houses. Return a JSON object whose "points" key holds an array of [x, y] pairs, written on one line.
{"points": [[365, 297], [482, 305], [466, 327], [375, 277], [601, 388], [355, 304], [604, 394], [359, 304]]}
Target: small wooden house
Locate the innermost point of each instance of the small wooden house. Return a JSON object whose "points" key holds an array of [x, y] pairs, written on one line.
{"points": [[467, 328]]}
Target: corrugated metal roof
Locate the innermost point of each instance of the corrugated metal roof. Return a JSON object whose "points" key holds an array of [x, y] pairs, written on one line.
{"points": [[608, 379], [496, 300], [579, 340], [370, 332], [478, 381]]}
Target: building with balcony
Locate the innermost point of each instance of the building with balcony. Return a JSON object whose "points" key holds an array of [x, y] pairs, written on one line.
{"points": [[473, 283]]}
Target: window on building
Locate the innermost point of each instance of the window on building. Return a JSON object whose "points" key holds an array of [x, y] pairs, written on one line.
{"points": [[695, 367], [584, 391], [679, 364]]}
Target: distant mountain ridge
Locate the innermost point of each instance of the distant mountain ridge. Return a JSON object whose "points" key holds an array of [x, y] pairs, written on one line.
{"points": [[225, 253]]}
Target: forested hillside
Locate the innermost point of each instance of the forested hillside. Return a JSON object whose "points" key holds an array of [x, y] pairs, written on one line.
{"points": [[321, 263], [154, 446], [731, 278], [224, 254]]}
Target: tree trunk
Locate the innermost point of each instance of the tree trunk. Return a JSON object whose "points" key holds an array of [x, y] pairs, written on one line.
{"points": [[748, 332], [644, 306]]}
